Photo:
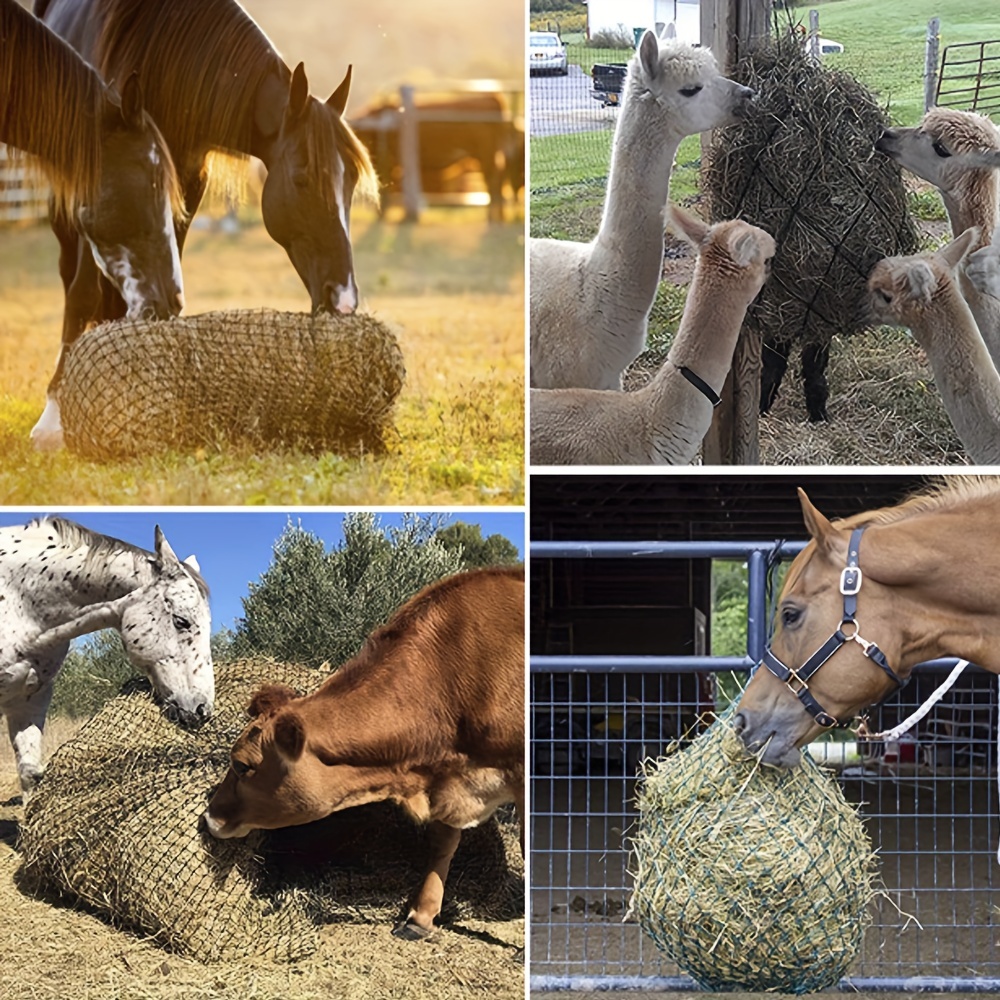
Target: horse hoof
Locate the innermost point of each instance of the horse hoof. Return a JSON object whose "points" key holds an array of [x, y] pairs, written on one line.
{"points": [[45, 440], [410, 931]]}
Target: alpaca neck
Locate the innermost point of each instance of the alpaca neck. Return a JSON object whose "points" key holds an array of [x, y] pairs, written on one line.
{"points": [[974, 203], [965, 374]]}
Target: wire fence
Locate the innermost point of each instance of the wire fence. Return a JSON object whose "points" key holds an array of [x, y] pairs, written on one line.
{"points": [[970, 77]]}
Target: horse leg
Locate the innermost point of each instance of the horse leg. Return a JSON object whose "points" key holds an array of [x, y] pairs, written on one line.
{"points": [[420, 920], [25, 722], [774, 361], [815, 357]]}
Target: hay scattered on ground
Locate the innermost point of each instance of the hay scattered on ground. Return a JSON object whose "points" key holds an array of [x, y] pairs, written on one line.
{"points": [[750, 877], [115, 825], [322, 383]]}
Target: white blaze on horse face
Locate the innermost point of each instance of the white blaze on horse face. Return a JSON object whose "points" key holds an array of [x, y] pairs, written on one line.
{"points": [[347, 299], [47, 434]]}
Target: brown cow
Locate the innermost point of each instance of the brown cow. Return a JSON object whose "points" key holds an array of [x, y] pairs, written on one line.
{"points": [[430, 714]]}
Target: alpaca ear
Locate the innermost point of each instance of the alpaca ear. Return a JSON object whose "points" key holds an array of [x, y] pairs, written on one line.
{"points": [[649, 54], [983, 158], [669, 31], [922, 282], [818, 526], [743, 249], [954, 253], [686, 225]]}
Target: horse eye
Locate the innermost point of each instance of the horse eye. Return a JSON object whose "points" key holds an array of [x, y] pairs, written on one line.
{"points": [[240, 767], [940, 148], [181, 624], [691, 91], [789, 616]]}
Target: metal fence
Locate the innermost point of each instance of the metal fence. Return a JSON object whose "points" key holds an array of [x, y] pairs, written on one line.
{"points": [[970, 77], [21, 198], [928, 802]]}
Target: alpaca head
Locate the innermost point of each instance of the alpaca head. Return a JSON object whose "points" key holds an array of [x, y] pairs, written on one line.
{"points": [[684, 83], [733, 255], [903, 290], [951, 149]]}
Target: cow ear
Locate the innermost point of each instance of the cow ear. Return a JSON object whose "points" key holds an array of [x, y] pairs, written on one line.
{"points": [[269, 699], [289, 735]]}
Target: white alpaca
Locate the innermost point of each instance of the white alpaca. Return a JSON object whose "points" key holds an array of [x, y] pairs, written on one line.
{"points": [[590, 301], [982, 268], [957, 152], [922, 293], [664, 422]]}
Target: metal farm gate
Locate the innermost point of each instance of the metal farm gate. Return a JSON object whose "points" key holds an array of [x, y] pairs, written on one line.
{"points": [[929, 802], [970, 77]]}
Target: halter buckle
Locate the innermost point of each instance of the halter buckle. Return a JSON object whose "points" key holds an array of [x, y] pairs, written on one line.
{"points": [[850, 580]]}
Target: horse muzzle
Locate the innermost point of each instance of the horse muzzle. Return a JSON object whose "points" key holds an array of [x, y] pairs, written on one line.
{"points": [[190, 719]]}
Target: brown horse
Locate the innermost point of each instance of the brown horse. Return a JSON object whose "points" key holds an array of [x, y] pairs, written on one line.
{"points": [[112, 176], [455, 135], [860, 608], [214, 83]]}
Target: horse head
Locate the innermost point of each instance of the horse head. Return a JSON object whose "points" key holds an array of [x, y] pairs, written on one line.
{"points": [[315, 164], [129, 222], [822, 667], [166, 628]]}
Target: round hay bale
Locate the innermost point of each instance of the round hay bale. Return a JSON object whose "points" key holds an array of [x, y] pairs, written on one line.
{"points": [[115, 825], [750, 877], [803, 167], [323, 382]]}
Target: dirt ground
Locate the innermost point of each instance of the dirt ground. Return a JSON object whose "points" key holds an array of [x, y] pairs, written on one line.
{"points": [[56, 952]]}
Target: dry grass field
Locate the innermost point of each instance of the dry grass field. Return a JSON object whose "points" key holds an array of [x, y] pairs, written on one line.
{"points": [[452, 287]]}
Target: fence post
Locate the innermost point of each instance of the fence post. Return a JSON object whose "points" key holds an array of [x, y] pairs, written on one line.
{"points": [[931, 62], [814, 35], [409, 155]]}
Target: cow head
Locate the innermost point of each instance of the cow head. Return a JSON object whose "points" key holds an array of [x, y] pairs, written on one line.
{"points": [[277, 777]]}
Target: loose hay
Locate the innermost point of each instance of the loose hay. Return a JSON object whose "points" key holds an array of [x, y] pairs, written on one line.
{"points": [[115, 825], [750, 877], [136, 387]]}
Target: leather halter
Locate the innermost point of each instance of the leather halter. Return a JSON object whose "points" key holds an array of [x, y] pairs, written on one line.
{"points": [[797, 679]]}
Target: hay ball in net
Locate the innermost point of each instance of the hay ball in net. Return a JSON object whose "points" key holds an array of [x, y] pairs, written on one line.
{"points": [[115, 825], [803, 167], [323, 383], [747, 876]]}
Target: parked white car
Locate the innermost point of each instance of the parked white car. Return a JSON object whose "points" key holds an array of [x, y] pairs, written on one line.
{"points": [[546, 53]]}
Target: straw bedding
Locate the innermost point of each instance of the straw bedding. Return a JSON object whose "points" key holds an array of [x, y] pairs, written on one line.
{"points": [[322, 382], [750, 877], [115, 825]]}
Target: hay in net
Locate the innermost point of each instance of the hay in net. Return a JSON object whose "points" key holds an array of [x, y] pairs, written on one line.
{"points": [[747, 876], [115, 825], [803, 167], [323, 382]]}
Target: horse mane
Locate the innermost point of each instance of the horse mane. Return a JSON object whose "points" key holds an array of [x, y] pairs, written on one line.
{"points": [[51, 106], [98, 545], [942, 494]]}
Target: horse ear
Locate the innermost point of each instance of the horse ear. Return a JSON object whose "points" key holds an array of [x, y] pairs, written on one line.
{"points": [[817, 525], [132, 101], [192, 562], [686, 225], [649, 54], [269, 699], [338, 99], [165, 555], [289, 735], [954, 253], [298, 93]]}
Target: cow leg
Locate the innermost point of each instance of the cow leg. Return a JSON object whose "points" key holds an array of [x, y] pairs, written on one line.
{"points": [[25, 722], [420, 920], [774, 361]]}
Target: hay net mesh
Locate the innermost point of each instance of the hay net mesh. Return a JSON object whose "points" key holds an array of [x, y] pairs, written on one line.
{"points": [[115, 825], [803, 167], [747, 876], [266, 377]]}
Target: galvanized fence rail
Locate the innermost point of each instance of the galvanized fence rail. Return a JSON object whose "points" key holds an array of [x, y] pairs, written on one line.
{"points": [[929, 804], [969, 79], [21, 198]]}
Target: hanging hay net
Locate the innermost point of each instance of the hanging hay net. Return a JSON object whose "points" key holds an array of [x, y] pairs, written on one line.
{"points": [[747, 876], [115, 825], [322, 383], [803, 167]]}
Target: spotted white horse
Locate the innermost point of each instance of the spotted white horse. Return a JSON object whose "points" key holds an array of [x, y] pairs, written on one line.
{"points": [[59, 580]]}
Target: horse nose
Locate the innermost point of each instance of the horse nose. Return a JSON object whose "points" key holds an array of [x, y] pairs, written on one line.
{"points": [[179, 302], [340, 298]]}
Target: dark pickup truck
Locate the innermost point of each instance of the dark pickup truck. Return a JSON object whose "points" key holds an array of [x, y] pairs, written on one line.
{"points": [[608, 79]]}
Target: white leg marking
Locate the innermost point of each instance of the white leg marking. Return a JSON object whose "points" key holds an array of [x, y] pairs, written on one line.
{"points": [[47, 434]]}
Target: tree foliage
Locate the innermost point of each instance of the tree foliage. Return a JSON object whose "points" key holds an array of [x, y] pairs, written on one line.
{"points": [[92, 673], [476, 551], [312, 606]]}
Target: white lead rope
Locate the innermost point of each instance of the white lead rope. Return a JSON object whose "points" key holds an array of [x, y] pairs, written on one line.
{"points": [[910, 721]]}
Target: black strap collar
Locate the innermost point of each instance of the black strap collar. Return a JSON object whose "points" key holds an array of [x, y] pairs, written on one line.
{"points": [[700, 384]]}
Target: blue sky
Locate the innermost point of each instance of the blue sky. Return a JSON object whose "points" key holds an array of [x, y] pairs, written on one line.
{"points": [[234, 547]]}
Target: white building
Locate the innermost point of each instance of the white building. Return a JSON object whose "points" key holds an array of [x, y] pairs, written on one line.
{"points": [[612, 14]]}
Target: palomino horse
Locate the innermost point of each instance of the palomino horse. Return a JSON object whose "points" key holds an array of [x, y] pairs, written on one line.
{"points": [[111, 173], [865, 601], [214, 82], [59, 580]]}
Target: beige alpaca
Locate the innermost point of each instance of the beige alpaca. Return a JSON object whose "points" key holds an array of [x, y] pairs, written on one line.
{"points": [[664, 422], [590, 301], [982, 268], [958, 151], [922, 293]]}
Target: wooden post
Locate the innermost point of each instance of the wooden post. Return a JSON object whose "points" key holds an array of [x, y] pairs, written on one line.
{"points": [[814, 35], [731, 28], [409, 156], [931, 62]]}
